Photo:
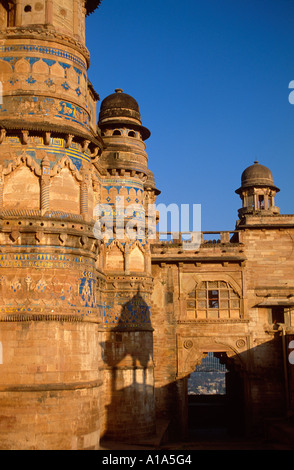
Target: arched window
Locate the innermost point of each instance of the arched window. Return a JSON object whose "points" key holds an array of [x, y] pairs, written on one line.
{"points": [[213, 299], [116, 132], [132, 134]]}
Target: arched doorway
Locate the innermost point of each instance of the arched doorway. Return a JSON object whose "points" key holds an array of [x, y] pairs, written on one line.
{"points": [[215, 398]]}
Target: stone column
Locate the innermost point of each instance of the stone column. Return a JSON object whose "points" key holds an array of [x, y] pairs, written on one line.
{"points": [[18, 13], [84, 192], [49, 12], [45, 185]]}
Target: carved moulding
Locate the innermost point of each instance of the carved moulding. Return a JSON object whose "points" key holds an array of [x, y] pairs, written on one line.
{"points": [[47, 34], [47, 294], [190, 281], [26, 135], [191, 351], [45, 174]]}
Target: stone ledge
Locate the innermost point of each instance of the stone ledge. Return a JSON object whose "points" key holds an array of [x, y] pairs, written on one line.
{"points": [[51, 387]]}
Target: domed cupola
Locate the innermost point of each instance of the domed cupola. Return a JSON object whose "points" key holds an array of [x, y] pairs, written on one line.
{"points": [[124, 138], [257, 191], [121, 111]]}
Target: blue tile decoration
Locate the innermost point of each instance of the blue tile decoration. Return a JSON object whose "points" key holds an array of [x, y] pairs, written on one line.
{"points": [[42, 50], [65, 85], [31, 80]]}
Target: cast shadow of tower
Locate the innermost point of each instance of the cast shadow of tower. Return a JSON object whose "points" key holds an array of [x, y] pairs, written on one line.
{"points": [[129, 374]]}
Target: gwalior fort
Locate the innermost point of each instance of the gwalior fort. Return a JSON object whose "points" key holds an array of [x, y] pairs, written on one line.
{"points": [[100, 335]]}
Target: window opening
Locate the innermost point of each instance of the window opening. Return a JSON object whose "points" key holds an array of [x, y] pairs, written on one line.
{"points": [[278, 315], [281, 315], [215, 398], [209, 377], [213, 300], [27, 8], [261, 202]]}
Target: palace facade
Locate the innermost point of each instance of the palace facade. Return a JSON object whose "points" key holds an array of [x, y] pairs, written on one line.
{"points": [[99, 334]]}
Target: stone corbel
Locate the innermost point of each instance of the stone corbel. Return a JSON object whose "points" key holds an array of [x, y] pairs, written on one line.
{"points": [[83, 241], [62, 238], [85, 145], [94, 154], [25, 137], [68, 140], [14, 235], [39, 236], [95, 182], [95, 247], [2, 135], [47, 137]]}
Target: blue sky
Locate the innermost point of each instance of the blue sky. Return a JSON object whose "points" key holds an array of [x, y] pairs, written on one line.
{"points": [[211, 78]]}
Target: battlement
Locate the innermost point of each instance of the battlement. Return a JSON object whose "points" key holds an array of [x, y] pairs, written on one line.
{"points": [[207, 238], [206, 245]]}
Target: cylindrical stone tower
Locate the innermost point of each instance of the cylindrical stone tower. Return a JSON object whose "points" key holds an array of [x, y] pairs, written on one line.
{"points": [[50, 269], [127, 189]]}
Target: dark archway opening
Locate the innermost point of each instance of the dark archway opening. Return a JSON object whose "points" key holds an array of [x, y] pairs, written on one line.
{"points": [[215, 399]]}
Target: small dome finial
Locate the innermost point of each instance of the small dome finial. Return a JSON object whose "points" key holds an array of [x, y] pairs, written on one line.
{"points": [[255, 161], [118, 90]]}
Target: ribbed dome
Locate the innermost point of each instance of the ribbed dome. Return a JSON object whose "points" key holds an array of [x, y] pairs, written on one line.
{"points": [[120, 109], [257, 175]]}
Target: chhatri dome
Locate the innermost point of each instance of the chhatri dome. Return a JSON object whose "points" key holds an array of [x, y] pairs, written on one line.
{"points": [[257, 175], [257, 191]]}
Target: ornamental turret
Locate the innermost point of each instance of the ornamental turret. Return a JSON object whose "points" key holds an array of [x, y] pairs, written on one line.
{"points": [[257, 191], [127, 192]]}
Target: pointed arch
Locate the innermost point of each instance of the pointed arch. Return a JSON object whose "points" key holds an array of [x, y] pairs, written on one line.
{"points": [[21, 176], [66, 162], [22, 66], [137, 243], [115, 260], [65, 187], [136, 258], [116, 243], [23, 159]]}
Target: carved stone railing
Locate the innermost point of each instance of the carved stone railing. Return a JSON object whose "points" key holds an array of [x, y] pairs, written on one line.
{"points": [[207, 238]]}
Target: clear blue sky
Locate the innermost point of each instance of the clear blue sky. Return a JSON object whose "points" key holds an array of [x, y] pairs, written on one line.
{"points": [[211, 78]]}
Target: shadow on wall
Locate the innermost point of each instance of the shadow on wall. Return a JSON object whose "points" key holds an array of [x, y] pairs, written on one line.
{"points": [[129, 382], [259, 392], [260, 384]]}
